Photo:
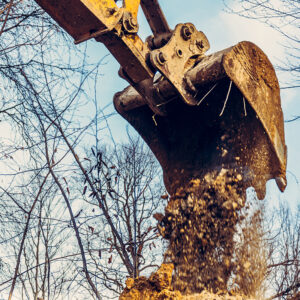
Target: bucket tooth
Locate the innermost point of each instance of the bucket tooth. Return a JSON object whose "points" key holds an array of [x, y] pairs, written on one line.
{"points": [[237, 124]]}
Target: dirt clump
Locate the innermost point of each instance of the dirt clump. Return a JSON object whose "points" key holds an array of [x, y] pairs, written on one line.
{"points": [[159, 287], [200, 222]]}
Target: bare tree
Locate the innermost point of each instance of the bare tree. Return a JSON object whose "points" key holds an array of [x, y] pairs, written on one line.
{"points": [[29, 239], [73, 221], [127, 179], [41, 71], [267, 253], [283, 265]]}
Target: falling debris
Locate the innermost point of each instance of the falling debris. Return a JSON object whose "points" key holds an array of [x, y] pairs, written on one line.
{"points": [[159, 287], [200, 223]]}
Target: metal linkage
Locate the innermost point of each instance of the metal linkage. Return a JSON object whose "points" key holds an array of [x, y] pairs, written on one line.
{"points": [[179, 55], [171, 53]]}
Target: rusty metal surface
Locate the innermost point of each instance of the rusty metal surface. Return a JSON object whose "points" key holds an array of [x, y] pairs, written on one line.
{"points": [[105, 10], [73, 16], [215, 134], [130, 52], [132, 6], [103, 20], [116, 28], [155, 17], [256, 79], [173, 60]]}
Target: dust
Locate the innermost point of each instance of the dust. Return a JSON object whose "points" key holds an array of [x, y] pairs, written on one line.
{"points": [[200, 223]]}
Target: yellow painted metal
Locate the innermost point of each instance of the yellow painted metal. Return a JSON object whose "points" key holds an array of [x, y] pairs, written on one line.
{"points": [[105, 10], [130, 52], [132, 6], [73, 16]]}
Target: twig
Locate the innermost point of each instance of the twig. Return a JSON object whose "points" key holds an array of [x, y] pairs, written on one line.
{"points": [[153, 118], [84, 262], [202, 99], [23, 238], [292, 120], [227, 96], [244, 102], [9, 6]]}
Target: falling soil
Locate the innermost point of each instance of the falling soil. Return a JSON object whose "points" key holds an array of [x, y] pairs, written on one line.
{"points": [[159, 287], [200, 224]]}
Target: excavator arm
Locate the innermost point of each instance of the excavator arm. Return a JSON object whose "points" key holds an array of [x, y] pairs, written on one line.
{"points": [[202, 112], [170, 52]]}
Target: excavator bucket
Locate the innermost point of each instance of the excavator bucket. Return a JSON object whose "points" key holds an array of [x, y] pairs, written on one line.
{"points": [[203, 113], [237, 121]]}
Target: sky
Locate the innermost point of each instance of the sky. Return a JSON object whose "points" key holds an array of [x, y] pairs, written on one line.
{"points": [[222, 30]]}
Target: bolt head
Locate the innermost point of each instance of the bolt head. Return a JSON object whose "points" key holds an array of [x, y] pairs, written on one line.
{"points": [[186, 33], [133, 22], [161, 58], [200, 44]]}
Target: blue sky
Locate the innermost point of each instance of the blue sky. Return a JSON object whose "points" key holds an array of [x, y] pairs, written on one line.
{"points": [[222, 30]]}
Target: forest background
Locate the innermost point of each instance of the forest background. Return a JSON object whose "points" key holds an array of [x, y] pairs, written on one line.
{"points": [[78, 188]]}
